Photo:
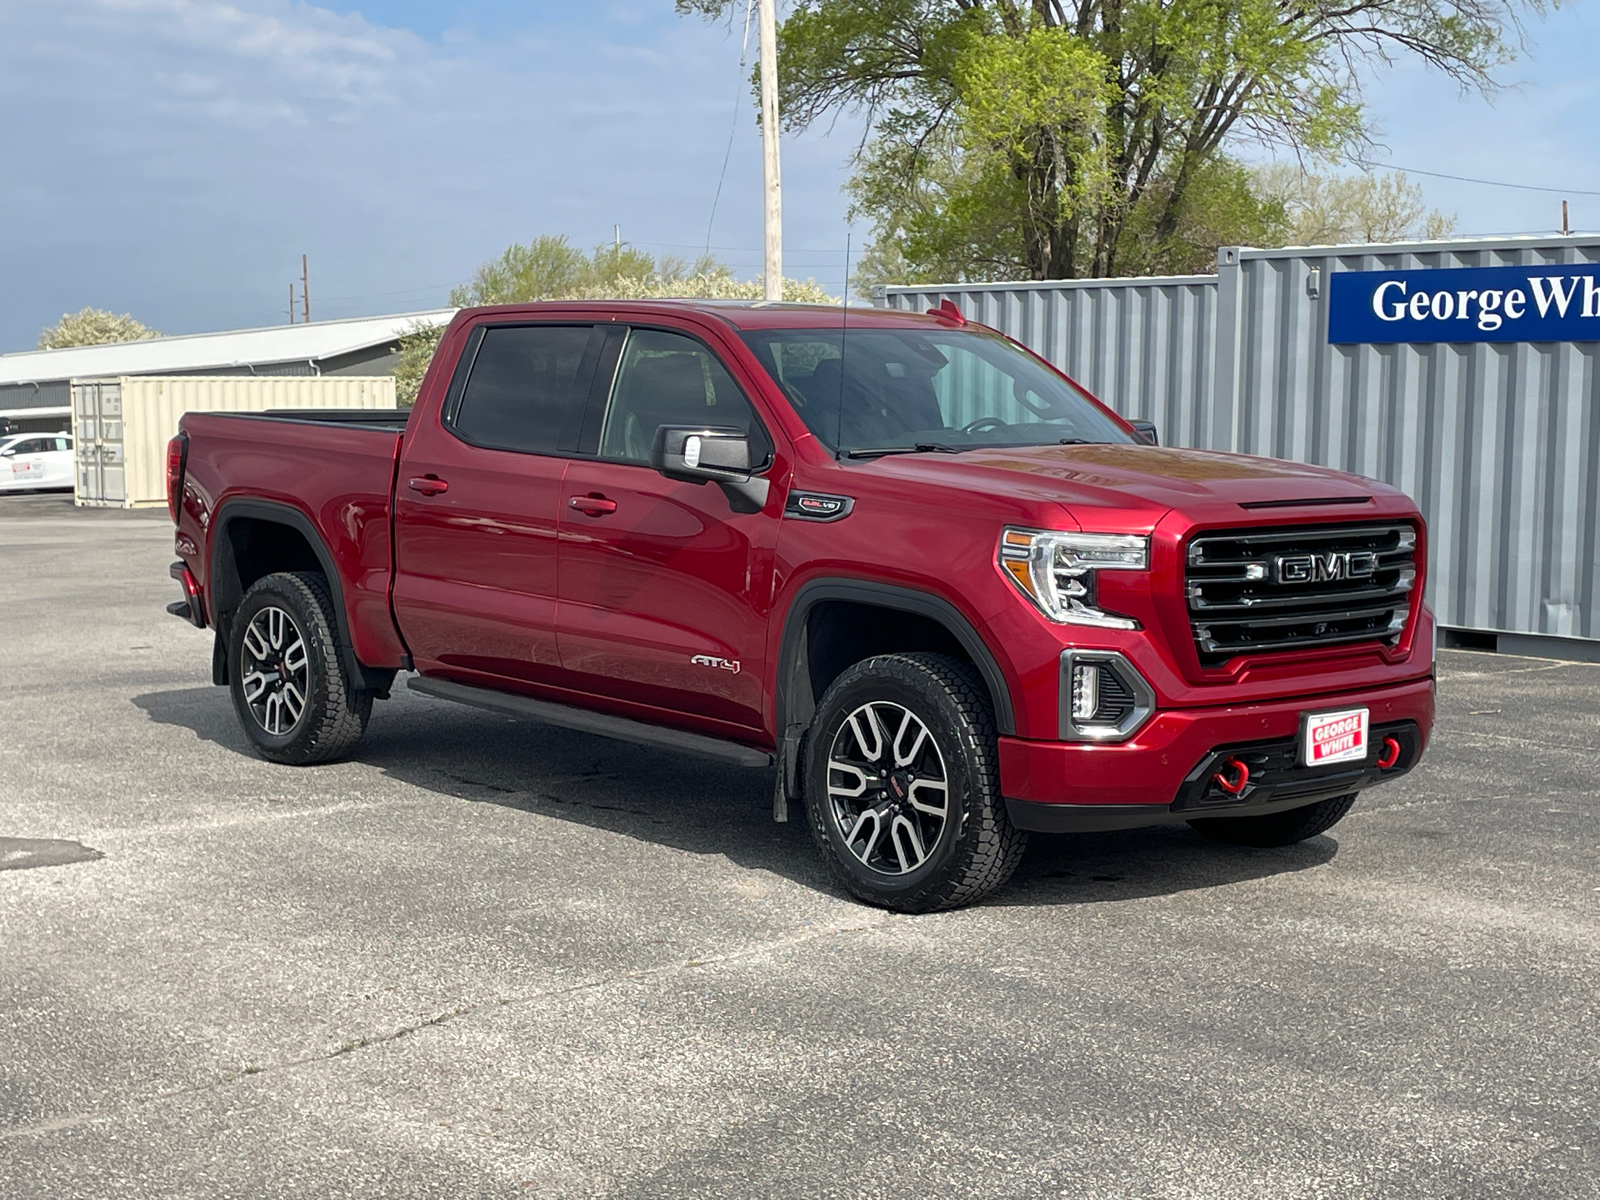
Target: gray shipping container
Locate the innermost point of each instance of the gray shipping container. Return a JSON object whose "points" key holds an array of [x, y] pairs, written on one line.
{"points": [[1499, 443]]}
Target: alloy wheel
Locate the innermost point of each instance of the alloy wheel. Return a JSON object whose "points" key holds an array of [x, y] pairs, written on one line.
{"points": [[275, 672], [888, 790]]}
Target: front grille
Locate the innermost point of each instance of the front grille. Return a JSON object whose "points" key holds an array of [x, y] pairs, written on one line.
{"points": [[1258, 591]]}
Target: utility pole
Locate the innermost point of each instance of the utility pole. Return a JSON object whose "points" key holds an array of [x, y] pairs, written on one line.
{"points": [[291, 304], [305, 288], [767, 25], [1565, 229]]}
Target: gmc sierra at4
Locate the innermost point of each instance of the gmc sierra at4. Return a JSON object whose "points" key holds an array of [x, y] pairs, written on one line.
{"points": [[944, 591]]}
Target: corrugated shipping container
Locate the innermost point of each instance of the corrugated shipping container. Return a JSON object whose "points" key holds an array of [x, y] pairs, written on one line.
{"points": [[121, 426], [1499, 443]]}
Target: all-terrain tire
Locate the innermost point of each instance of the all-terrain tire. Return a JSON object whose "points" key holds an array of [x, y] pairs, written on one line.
{"points": [[333, 712], [976, 847], [1277, 829]]}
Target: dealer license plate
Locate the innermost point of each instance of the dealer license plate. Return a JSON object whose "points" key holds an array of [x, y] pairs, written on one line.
{"points": [[1334, 737]]}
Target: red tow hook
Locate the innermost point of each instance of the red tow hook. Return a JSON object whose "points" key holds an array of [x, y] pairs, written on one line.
{"points": [[1389, 755], [1232, 786]]}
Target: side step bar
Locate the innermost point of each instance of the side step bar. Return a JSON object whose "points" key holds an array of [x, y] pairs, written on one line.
{"points": [[603, 724]]}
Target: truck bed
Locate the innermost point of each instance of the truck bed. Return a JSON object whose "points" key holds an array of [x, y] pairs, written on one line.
{"points": [[335, 468], [362, 418]]}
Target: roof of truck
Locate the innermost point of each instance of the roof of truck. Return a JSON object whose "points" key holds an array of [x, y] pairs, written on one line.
{"points": [[741, 314]]}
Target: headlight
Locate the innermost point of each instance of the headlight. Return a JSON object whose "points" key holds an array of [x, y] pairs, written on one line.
{"points": [[1057, 571]]}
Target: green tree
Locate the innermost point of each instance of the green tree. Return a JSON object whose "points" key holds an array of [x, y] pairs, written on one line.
{"points": [[93, 327], [551, 268], [545, 267], [1051, 139], [417, 345], [1326, 210]]}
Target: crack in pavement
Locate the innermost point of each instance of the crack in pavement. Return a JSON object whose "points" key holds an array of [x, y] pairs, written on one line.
{"points": [[56, 1124], [1554, 664]]}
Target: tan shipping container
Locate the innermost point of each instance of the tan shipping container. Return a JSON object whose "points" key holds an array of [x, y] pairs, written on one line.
{"points": [[121, 426]]}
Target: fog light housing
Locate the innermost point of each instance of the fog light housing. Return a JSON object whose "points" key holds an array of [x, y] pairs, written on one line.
{"points": [[1103, 697]]}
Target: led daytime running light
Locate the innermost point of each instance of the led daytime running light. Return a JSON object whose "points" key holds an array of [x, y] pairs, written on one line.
{"points": [[1056, 570]]}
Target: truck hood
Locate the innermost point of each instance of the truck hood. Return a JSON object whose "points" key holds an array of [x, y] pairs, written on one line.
{"points": [[1145, 480]]}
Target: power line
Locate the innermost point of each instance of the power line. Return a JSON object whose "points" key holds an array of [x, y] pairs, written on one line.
{"points": [[744, 50], [749, 249], [428, 287], [1525, 187]]}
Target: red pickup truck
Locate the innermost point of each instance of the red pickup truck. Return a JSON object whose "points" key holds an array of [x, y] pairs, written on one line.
{"points": [[950, 596]]}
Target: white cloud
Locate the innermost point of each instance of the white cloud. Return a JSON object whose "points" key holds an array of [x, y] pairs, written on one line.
{"points": [[174, 158]]}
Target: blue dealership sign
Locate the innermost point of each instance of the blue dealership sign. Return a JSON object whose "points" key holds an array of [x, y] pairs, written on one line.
{"points": [[1466, 304]]}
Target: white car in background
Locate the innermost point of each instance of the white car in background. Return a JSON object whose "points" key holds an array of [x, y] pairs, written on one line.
{"points": [[31, 461]]}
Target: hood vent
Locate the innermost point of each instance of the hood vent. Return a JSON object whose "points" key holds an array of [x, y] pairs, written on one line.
{"points": [[1307, 503]]}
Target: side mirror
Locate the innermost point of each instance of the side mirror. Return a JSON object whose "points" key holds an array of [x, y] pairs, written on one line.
{"points": [[710, 454], [8, 453], [1146, 430]]}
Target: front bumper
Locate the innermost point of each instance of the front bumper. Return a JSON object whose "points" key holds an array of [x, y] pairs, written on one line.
{"points": [[1163, 773]]}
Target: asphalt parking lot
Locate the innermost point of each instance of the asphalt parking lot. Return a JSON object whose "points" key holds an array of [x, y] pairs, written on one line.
{"points": [[495, 958]]}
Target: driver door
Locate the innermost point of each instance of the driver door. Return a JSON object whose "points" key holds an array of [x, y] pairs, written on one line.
{"points": [[664, 588]]}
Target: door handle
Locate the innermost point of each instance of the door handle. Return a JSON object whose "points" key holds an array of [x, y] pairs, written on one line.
{"points": [[593, 506], [428, 485]]}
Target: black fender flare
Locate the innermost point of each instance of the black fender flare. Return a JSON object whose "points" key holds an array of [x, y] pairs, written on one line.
{"points": [[223, 603], [791, 719]]}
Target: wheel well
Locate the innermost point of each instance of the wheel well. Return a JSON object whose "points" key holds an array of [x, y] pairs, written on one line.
{"points": [[850, 621], [840, 633], [253, 548], [253, 541]]}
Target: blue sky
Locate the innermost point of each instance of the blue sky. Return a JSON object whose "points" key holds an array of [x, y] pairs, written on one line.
{"points": [[174, 158]]}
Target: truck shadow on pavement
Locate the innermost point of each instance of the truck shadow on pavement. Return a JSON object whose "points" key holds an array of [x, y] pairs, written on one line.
{"points": [[701, 807]]}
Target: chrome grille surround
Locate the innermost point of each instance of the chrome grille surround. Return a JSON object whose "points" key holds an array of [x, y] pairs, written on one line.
{"points": [[1267, 590]]}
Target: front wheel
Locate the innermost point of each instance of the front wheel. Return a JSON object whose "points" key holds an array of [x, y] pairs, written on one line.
{"points": [[903, 785], [289, 686], [1277, 829]]}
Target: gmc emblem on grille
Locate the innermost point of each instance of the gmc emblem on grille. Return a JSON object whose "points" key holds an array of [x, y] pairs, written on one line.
{"points": [[1325, 568]]}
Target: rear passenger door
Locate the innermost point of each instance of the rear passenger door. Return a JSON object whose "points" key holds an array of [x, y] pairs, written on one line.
{"points": [[476, 505], [665, 588]]}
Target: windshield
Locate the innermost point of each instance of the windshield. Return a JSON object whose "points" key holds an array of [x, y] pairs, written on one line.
{"points": [[874, 391]]}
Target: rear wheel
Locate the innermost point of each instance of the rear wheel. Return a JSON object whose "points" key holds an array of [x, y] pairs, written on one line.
{"points": [[288, 681], [1277, 829], [903, 786]]}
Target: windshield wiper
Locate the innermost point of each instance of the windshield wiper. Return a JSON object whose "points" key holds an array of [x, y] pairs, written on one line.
{"points": [[1075, 442], [917, 448]]}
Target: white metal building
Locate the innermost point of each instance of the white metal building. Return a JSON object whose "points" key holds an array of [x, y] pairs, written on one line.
{"points": [[36, 385]]}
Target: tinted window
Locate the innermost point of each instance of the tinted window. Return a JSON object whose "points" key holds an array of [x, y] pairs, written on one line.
{"points": [[29, 446], [880, 389], [527, 389], [669, 379]]}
